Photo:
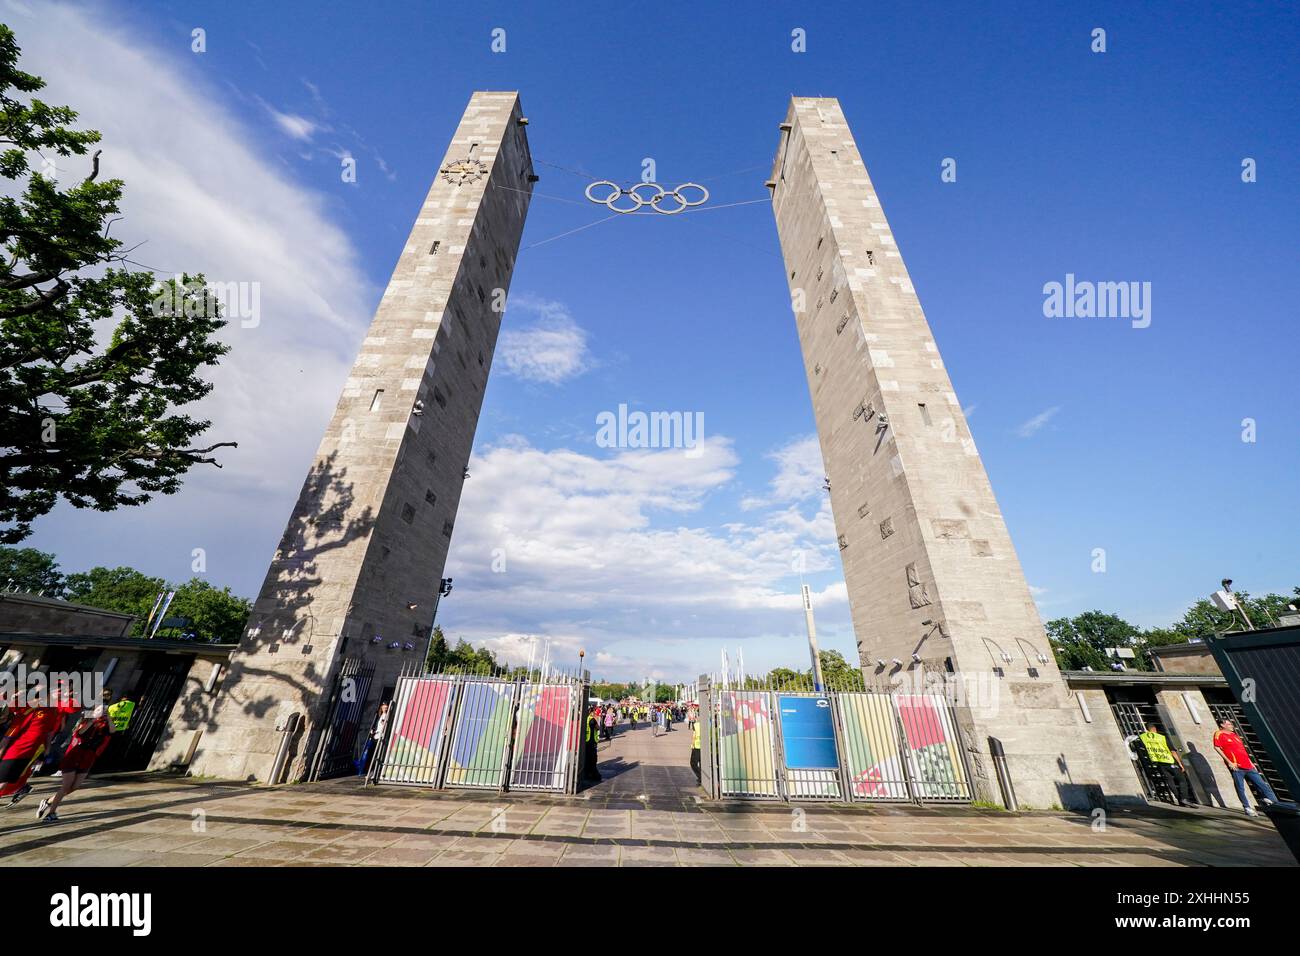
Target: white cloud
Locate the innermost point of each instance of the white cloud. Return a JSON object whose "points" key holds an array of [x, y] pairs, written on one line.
{"points": [[551, 350], [296, 127], [1030, 428], [800, 475], [597, 556], [215, 204]]}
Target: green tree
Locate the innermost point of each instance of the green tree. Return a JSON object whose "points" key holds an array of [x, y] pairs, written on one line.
{"points": [[1081, 641], [436, 658], [31, 571], [116, 589], [838, 673], [87, 417], [213, 614]]}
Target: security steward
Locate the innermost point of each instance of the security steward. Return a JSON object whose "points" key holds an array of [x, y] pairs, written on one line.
{"points": [[590, 744], [1163, 759], [695, 750], [120, 714]]}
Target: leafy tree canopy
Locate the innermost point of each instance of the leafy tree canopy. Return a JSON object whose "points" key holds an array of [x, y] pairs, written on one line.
{"points": [[83, 416]]}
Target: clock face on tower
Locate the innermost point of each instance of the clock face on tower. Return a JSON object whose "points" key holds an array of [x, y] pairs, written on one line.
{"points": [[464, 171]]}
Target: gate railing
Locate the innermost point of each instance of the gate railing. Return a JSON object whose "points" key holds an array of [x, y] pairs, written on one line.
{"points": [[482, 732], [839, 745], [337, 750]]}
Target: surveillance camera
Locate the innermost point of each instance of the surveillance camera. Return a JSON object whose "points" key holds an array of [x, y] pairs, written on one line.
{"points": [[879, 662], [926, 623], [896, 662], [1227, 584], [916, 658]]}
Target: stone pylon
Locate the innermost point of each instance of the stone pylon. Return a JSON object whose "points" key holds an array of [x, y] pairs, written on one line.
{"points": [[934, 584], [357, 572]]}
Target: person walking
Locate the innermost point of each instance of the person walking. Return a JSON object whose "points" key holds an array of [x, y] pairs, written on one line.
{"points": [[1163, 759], [29, 737], [611, 715], [1233, 751], [374, 741], [89, 739]]}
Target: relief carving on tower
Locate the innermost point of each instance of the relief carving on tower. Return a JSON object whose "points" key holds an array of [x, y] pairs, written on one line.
{"points": [[916, 592]]}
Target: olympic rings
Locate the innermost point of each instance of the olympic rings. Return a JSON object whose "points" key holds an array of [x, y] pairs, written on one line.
{"points": [[617, 192]]}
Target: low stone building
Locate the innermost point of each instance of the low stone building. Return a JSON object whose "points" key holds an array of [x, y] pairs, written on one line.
{"points": [[1187, 707], [168, 679]]}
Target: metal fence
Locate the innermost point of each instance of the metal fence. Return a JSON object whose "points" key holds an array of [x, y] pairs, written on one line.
{"points": [[482, 732], [836, 745], [336, 755]]}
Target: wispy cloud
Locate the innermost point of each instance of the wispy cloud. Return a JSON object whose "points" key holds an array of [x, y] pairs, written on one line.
{"points": [[551, 350], [1032, 427], [292, 125], [800, 474]]}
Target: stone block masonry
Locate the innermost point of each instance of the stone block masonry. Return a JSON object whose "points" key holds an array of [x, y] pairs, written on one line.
{"points": [[927, 558], [362, 556]]}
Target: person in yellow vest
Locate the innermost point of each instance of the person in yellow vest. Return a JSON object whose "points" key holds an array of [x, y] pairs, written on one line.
{"points": [[590, 745], [120, 714], [1163, 759], [695, 750]]}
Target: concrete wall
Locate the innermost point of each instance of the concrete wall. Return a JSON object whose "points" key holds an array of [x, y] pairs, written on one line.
{"points": [[1185, 659], [921, 536], [39, 615], [369, 535], [1210, 775]]}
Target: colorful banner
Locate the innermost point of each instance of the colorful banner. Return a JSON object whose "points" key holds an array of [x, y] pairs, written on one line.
{"points": [[745, 744], [543, 738], [933, 759], [419, 716], [872, 747], [482, 730]]}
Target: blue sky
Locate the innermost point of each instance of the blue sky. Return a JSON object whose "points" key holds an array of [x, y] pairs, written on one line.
{"points": [[1115, 166]]}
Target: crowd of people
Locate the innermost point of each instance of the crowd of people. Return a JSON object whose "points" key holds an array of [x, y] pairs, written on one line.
{"points": [[60, 731], [603, 719]]}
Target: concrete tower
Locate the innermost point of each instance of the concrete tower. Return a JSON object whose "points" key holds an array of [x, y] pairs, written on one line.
{"points": [[929, 564], [361, 560]]}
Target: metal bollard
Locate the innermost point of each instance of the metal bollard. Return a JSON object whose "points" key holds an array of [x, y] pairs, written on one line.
{"points": [[282, 755], [1004, 777]]}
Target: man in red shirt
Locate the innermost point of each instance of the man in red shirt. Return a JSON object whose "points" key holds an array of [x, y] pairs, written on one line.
{"points": [[1233, 751], [28, 738]]}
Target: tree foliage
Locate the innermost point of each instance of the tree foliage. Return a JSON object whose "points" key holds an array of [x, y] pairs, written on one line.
{"points": [[30, 571], [88, 418], [1081, 641]]}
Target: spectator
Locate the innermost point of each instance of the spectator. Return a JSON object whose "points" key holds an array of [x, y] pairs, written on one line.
{"points": [[1233, 751]]}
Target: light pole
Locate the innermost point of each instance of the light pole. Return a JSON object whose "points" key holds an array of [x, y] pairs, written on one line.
{"points": [[818, 684]]}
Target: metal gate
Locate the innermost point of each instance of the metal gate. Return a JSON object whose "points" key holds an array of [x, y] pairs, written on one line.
{"points": [[417, 730], [545, 739], [155, 696], [706, 715], [337, 751], [1133, 719], [483, 733], [858, 746], [747, 745], [1257, 752]]}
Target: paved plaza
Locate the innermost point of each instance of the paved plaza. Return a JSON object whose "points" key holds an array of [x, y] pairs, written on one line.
{"points": [[646, 812]]}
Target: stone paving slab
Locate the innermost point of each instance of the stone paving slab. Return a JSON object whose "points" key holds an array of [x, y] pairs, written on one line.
{"points": [[647, 811]]}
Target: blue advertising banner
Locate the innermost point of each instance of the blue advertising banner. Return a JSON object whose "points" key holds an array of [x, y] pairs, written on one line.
{"points": [[808, 732]]}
